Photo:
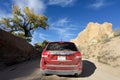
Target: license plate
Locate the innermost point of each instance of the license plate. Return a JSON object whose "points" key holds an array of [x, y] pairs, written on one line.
{"points": [[61, 58]]}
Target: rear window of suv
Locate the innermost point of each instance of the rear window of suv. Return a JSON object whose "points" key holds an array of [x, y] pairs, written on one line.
{"points": [[61, 46]]}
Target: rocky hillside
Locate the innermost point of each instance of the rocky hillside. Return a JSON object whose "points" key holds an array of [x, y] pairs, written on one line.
{"points": [[94, 33], [14, 49], [97, 42], [104, 52]]}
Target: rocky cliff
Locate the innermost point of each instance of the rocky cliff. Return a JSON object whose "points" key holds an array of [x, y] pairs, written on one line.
{"points": [[98, 42], [93, 33], [14, 49]]}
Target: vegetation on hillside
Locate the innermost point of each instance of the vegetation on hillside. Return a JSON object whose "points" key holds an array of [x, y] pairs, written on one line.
{"points": [[117, 32], [40, 46]]}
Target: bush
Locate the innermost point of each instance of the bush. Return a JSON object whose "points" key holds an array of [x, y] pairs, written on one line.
{"points": [[40, 46], [117, 32], [105, 38]]}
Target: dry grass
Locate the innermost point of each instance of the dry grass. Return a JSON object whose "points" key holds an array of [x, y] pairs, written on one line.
{"points": [[106, 52], [117, 32], [108, 57]]}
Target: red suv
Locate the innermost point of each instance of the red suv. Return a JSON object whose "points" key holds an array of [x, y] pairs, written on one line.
{"points": [[61, 58]]}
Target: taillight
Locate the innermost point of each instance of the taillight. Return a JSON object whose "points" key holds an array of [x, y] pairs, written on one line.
{"points": [[77, 55], [45, 54]]}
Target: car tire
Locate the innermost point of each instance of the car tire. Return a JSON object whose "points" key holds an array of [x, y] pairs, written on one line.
{"points": [[77, 75], [44, 74]]}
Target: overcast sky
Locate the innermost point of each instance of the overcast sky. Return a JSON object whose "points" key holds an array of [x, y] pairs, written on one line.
{"points": [[67, 18]]}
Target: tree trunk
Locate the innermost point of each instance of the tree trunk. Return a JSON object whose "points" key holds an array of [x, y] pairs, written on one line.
{"points": [[27, 33]]}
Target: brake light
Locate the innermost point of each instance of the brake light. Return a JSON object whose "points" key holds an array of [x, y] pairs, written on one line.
{"points": [[45, 54], [77, 55]]}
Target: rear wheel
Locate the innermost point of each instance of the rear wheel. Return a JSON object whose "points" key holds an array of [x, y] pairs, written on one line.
{"points": [[45, 74], [77, 75]]}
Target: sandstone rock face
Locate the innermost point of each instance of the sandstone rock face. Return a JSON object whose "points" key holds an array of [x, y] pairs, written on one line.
{"points": [[14, 49], [93, 33]]}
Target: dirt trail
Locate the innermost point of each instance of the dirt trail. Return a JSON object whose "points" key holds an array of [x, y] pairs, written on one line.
{"points": [[30, 71]]}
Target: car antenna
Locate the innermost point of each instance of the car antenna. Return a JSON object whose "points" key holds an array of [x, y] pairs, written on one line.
{"points": [[61, 39]]}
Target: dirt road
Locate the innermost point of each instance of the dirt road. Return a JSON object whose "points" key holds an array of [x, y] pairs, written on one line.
{"points": [[30, 71]]}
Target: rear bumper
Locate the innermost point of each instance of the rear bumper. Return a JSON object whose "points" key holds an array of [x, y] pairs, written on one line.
{"points": [[61, 72], [61, 69]]}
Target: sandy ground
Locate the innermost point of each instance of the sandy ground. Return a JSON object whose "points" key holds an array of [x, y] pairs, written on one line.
{"points": [[30, 71]]}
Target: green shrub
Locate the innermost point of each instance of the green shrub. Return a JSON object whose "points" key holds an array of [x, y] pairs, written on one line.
{"points": [[40, 46]]}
